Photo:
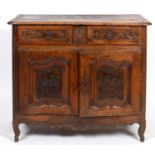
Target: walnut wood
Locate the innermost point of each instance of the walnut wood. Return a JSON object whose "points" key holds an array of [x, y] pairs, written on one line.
{"points": [[128, 19], [79, 72], [65, 84], [114, 35], [45, 35], [102, 98], [76, 123]]}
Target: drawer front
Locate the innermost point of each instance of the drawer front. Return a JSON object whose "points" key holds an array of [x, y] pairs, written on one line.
{"points": [[45, 35], [114, 35]]}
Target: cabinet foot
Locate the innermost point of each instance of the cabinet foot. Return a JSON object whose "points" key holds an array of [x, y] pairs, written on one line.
{"points": [[16, 130], [141, 130]]}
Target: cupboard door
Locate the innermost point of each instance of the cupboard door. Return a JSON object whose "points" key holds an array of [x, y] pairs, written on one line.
{"points": [[110, 82], [48, 82]]}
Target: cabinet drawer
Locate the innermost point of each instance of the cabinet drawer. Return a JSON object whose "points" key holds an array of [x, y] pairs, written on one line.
{"points": [[114, 35], [45, 34]]}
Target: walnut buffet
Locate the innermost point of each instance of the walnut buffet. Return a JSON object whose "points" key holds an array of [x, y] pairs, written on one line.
{"points": [[79, 72]]}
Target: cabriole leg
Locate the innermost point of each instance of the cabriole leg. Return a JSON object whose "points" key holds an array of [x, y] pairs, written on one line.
{"points": [[141, 130], [16, 130]]}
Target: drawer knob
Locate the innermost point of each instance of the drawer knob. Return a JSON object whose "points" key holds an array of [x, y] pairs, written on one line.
{"points": [[109, 35]]}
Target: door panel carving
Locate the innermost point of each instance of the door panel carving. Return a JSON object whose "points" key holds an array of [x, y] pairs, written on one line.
{"points": [[110, 83], [48, 79]]}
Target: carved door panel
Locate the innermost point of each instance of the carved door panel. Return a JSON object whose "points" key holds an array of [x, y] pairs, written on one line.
{"points": [[110, 82], [48, 82]]}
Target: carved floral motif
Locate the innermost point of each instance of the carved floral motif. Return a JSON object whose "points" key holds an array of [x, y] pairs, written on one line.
{"points": [[49, 85], [48, 34], [111, 83], [111, 34], [49, 82]]}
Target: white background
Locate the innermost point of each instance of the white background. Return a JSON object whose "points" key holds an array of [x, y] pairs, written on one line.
{"points": [[125, 138]]}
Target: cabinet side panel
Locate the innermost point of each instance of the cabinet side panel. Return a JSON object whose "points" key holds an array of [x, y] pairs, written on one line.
{"points": [[15, 70], [144, 70]]}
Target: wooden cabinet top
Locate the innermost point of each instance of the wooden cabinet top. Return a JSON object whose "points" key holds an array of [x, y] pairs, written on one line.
{"points": [[126, 19]]}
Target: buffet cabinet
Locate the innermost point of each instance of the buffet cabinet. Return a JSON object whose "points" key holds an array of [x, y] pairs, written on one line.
{"points": [[79, 72]]}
